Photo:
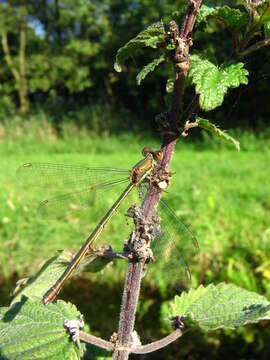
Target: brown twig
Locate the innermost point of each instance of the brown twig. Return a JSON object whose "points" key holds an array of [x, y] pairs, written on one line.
{"points": [[96, 341], [254, 47], [156, 345], [143, 349], [188, 125]]}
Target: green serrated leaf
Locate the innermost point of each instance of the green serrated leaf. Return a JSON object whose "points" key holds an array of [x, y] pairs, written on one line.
{"points": [[234, 74], [212, 82], [35, 287], [222, 306], [232, 18], [148, 68], [262, 12], [152, 36], [204, 12], [207, 125], [29, 330], [93, 263]]}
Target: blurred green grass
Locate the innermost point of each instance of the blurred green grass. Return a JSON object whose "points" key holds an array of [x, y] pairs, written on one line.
{"points": [[222, 194]]}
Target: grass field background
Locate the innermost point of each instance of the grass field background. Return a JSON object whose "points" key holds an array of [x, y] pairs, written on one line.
{"points": [[221, 194]]}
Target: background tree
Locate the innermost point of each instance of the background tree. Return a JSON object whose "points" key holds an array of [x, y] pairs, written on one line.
{"points": [[13, 24], [61, 58]]}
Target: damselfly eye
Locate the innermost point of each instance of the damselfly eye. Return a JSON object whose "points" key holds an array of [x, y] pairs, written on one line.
{"points": [[145, 151], [158, 155]]}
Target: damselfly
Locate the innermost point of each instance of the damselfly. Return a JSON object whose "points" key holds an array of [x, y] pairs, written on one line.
{"points": [[83, 182]]}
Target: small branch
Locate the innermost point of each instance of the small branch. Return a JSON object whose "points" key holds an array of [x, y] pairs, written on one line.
{"points": [[253, 48], [190, 18], [143, 349], [106, 252], [188, 125], [96, 341]]}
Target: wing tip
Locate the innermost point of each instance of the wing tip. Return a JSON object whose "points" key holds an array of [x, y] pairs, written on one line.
{"points": [[20, 172]]}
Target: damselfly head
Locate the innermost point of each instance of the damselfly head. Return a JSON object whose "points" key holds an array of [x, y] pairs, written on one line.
{"points": [[157, 154], [145, 151]]}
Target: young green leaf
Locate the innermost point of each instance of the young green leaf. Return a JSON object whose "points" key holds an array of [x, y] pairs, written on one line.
{"points": [[261, 12], [93, 263], [234, 19], [221, 306], [204, 12], [207, 125], [36, 286], [148, 68], [212, 82], [152, 36], [29, 330]]}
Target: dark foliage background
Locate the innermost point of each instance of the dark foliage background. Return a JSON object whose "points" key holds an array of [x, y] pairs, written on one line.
{"points": [[69, 54]]}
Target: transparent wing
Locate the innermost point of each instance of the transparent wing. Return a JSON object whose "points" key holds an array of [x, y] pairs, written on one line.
{"points": [[173, 250], [75, 200], [66, 176], [70, 187]]}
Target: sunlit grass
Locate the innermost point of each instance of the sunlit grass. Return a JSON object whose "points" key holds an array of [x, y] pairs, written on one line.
{"points": [[221, 194]]}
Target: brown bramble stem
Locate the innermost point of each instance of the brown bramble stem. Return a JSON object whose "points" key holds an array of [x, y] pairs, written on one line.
{"points": [[131, 291]]}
